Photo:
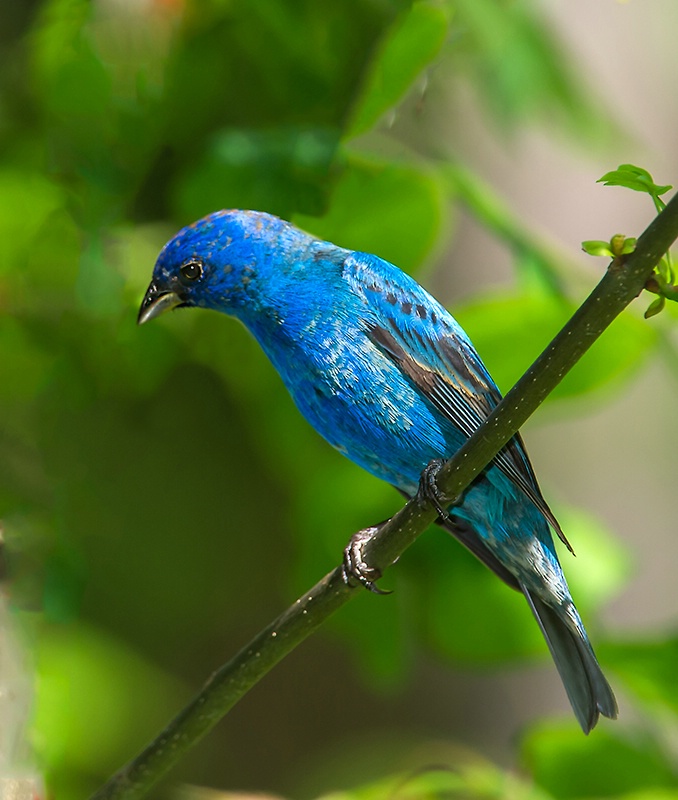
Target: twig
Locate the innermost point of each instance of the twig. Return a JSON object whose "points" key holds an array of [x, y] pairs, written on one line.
{"points": [[623, 281]]}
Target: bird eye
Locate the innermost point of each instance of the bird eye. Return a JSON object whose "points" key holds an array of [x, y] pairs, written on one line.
{"points": [[191, 271]]}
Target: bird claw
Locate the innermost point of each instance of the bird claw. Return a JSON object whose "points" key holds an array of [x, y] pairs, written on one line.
{"points": [[428, 492], [355, 568]]}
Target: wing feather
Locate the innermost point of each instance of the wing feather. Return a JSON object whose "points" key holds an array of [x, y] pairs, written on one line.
{"points": [[434, 353]]}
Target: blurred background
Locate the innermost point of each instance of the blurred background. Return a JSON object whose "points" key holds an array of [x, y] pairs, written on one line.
{"points": [[162, 500]]}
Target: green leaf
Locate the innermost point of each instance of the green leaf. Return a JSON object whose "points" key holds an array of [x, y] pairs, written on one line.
{"points": [[635, 178], [394, 210], [596, 247], [510, 331], [617, 246], [655, 307], [414, 41], [664, 270], [605, 764], [629, 245]]}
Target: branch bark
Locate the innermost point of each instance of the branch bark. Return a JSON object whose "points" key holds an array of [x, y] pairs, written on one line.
{"points": [[623, 282]]}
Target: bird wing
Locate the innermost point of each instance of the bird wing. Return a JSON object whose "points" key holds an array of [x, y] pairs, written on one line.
{"points": [[420, 336]]}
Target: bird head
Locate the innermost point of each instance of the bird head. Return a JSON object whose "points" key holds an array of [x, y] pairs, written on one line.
{"points": [[211, 263]]}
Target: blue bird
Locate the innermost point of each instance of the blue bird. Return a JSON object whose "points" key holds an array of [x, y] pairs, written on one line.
{"points": [[387, 376]]}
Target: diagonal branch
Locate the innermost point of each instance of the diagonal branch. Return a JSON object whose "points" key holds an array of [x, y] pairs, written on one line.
{"points": [[623, 281]]}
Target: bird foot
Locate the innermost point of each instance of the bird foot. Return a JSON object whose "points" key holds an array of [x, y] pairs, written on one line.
{"points": [[355, 568], [428, 492]]}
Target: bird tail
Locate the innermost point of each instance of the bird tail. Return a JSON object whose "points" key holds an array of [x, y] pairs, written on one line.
{"points": [[587, 688]]}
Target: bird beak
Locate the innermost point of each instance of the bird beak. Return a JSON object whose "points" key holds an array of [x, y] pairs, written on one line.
{"points": [[156, 302]]}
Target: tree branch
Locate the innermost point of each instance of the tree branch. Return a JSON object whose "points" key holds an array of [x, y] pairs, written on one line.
{"points": [[623, 281]]}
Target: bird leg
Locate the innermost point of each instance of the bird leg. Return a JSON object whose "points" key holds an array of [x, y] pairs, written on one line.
{"points": [[355, 568], [428, 492]]}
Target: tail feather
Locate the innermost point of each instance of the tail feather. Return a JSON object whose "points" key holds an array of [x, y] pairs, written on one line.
{"points": [[587, 688]]}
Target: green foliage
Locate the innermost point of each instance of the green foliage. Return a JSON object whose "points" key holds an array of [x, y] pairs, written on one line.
{"points": [[631, 177], [619, 245], [606, 765], [400, 196], [648, 667], [519, 67], [472, 779], [411, 46], [75, 662], [280, 169], [161, 497], [638, 179]]}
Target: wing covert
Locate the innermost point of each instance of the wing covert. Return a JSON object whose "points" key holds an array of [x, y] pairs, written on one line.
{"points": [[434, 353]]}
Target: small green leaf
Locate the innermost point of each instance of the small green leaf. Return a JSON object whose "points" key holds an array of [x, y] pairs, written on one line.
{"points": [[597, 247], [670, 292], [635, 178], [655, 307], [664, 270], [617, 246]]}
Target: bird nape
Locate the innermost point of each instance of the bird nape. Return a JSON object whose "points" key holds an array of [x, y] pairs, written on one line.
{"points": [[386, 375]]}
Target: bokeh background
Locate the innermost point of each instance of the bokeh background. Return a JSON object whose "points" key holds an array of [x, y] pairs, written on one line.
{"points": [[162, 500]]}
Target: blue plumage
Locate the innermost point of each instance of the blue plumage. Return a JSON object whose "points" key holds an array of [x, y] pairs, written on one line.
{"points": [[389, 378]]}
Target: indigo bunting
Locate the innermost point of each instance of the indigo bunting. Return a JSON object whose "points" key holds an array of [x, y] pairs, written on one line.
{"points": [[387, 376]]}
